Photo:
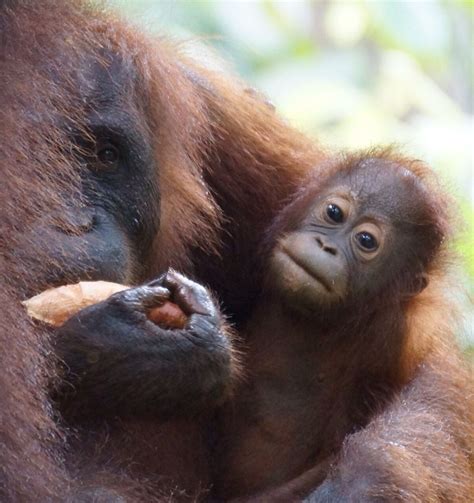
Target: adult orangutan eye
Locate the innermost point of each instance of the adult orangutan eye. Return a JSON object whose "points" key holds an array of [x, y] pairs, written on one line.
{"points": [[367, 241], [334, 212], [108, 154]]}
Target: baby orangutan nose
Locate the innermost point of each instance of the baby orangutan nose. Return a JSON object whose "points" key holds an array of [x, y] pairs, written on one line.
{"points": [[325, 247]]}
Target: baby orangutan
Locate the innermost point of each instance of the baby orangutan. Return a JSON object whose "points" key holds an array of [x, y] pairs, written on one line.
{"points": [[327, 342]]}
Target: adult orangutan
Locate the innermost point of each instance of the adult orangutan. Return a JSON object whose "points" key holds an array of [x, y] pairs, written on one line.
{"points": [[120, 157]]}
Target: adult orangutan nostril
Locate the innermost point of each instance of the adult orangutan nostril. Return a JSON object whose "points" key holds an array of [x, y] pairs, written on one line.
{"points": [[75, 222]]}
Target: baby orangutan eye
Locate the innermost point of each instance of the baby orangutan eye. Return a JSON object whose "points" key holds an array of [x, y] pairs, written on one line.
{"points": [[335, 213], [367, 241], [335, 210]]}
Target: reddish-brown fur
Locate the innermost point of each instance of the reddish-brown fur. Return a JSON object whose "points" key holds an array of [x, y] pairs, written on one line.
{"points": [[212, 139], [227, 163], [312, 383]]}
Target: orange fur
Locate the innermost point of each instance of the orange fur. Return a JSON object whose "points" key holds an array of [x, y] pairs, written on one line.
{"points": [[312, 383], [226, 164]]}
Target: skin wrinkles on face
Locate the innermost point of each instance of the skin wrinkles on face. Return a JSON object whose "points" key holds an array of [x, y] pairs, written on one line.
{"points": [[377, 200]]}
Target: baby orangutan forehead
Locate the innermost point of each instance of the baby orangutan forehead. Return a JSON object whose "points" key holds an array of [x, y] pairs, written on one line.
{"points": [[382, 185]]}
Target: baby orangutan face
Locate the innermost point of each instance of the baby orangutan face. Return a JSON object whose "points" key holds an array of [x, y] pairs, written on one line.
{"points": [[353, 239]]}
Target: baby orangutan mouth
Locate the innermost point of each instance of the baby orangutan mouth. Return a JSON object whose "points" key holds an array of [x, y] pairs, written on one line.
{"points": [[311, 270], [308, 268]]}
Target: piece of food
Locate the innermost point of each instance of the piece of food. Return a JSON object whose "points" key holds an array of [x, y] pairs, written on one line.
{"points": [[56, 305]]}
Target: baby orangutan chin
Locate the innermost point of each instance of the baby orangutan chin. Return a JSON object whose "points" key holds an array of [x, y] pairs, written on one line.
{"points": [[328, 341]]}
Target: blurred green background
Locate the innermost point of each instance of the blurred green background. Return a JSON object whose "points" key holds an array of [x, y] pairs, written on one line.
{"points": [[352, 74]]}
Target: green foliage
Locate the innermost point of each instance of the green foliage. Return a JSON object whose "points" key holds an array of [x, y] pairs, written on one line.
{"points": [[465, 243]]}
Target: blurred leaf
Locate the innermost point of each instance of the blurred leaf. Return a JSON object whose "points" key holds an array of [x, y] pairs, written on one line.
{"points": [[418, 27], [465, 243]]}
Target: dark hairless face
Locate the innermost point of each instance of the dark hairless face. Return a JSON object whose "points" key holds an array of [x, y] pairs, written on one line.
{"points": [[107, 232], [364, 231]]}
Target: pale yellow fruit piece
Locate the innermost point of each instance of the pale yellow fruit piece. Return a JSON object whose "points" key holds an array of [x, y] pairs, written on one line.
{"points": [[56, 305]]}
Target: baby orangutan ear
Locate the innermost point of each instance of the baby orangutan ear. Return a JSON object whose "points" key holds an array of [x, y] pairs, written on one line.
{"points": [[419, 283]]}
